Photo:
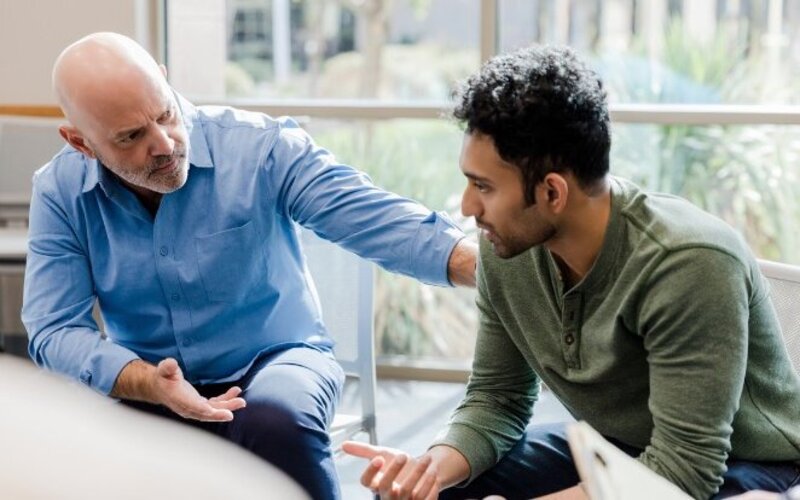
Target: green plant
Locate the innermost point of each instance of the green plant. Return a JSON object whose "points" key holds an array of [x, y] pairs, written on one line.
{"points": [[747, 175], [238, 83], [260, 70], [417, 159]]}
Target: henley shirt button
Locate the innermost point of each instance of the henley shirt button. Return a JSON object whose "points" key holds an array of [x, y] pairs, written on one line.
{"points": [[176, 297], [163, 251], [569, 339], [186, 342]]}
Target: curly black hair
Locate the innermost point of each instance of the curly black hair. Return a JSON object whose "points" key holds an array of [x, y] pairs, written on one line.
{"points": [[544, 109]]}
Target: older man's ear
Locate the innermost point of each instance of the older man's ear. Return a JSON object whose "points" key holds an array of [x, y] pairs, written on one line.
{"points": [[74, 138]]}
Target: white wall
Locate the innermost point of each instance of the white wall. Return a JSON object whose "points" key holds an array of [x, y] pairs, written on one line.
{"points": [[197, 51], [33, 33]]}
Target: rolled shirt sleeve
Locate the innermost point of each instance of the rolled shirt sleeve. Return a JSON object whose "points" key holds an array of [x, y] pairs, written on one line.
{"points": [[90, 239], [342, 205], [58, 300], [500, 395]]}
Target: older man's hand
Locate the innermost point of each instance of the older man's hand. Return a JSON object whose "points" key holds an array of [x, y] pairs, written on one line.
{"points": [[165, 385], [174, 392]]}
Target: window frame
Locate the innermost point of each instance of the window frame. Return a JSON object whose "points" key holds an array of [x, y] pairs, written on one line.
{"points": [[353, 109]]}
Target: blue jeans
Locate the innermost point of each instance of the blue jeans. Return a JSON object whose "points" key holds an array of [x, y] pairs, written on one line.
{"points": [[541, 463], [291, 399]]}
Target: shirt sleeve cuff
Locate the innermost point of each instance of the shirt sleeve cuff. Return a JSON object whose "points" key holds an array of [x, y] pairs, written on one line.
{"points": [[435, 240], [101, 369], [478, 451]]}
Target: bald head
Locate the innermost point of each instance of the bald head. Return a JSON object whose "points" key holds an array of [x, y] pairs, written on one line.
{"points": [[122, 111], [100, 69]]}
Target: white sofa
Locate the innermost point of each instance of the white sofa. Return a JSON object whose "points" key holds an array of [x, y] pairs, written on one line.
{"points": [[61, 440]]}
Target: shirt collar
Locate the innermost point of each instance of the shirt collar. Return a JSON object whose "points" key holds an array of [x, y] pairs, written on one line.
{"points": [[607, 261], [96, 174], [199, 155]]}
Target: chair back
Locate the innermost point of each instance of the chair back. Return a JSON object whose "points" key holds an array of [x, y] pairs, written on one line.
{"points": [[784, 285], [344, 284], [25, 145]]}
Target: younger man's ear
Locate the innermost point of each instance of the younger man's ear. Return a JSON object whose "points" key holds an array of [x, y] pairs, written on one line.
{"points": [[75, 139], [555, 189]]}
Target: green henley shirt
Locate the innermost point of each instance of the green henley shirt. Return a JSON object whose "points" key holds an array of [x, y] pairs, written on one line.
{"points": [[670, 344]]}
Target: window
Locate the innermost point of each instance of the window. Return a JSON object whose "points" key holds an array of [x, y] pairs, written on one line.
{"points": [[419, 159], [349, 49], [249, 32], [699, 89], [745, 174], [660, 51]]}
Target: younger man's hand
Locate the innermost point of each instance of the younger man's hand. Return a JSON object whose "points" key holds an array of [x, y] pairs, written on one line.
{"points": [[395, 475]]}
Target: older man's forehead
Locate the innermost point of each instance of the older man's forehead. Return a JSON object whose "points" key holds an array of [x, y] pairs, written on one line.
{"points": [[133, 111]]}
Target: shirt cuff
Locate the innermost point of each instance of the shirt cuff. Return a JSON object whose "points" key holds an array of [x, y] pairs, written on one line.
{"points": [[101, 370], [478, 451], [435, 240]]}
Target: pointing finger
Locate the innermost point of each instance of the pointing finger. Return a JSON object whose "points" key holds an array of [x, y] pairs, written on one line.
{"points": [[386, 481], [372, 470], [361, 450]]}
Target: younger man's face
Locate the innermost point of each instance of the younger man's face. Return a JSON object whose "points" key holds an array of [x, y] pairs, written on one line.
{"points": [[495, 196]]}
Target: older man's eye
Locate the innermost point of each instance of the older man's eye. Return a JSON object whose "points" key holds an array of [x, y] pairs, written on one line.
{"points": [[167, 116], [130, 137]]}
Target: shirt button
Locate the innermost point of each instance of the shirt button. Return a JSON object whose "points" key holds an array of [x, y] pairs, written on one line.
{"points": [[163, 251], [569, 339], [176, 297], [186, 342]]}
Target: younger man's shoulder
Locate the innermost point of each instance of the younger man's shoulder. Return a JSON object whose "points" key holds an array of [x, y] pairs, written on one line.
{"points": [[674, 223]]}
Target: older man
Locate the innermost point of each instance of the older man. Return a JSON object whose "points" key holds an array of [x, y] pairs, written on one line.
{"points": [[182, 222]]}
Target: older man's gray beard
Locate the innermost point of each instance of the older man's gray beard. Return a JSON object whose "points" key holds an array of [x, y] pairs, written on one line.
{"points": [[173, 179], [148, 178]]}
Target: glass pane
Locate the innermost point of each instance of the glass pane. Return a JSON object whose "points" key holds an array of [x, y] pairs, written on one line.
{"points": [[671, 51], [746, 175], [417, 159], [393, 50]]}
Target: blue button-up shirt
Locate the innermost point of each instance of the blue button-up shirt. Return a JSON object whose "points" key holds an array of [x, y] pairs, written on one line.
{"points": [[218, 276]]}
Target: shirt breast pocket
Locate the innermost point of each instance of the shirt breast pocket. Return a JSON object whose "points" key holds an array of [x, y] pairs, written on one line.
{"points": [[231, 263]]}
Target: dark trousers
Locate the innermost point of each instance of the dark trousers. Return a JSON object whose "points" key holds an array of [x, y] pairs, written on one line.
{"points": [[541, 463], [291, 399]]}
